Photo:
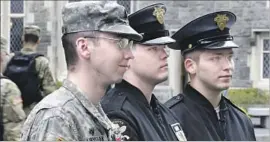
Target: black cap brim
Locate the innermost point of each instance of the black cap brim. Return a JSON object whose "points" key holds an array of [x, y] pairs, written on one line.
{"points": [[159, 41], [221, 45], [123, 30]]}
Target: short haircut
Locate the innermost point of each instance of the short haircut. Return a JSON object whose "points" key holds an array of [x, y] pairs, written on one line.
{"points": [[30, 38], [69, 44], [194, 55]]}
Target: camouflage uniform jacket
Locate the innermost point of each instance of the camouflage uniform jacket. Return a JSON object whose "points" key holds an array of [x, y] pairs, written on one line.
{"points": [[48, 84], [67, 114], [13, 114]]}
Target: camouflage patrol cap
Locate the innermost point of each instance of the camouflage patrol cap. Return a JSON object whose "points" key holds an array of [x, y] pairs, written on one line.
{"points": [[32, 29], [3, 44], [104, 16]]}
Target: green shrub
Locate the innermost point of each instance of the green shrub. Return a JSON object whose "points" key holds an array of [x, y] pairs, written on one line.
{"points": [[244, 110], [248, 96], [58, 83]]}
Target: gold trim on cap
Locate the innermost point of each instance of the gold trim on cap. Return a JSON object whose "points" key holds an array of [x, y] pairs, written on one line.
{"points": [[190, 46]]}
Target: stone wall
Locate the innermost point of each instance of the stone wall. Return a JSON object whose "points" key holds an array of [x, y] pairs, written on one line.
{"points": [[47, 15], [38, 13]]}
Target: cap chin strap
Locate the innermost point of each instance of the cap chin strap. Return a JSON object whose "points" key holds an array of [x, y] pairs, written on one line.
{"points": [[153, 35], [214, 39]]}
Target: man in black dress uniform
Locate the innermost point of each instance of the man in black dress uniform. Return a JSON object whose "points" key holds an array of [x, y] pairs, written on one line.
{"points": [[206, 115], [131, 103]]}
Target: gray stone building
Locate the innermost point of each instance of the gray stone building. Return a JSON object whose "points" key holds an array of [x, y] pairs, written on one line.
{"points": [[251, 32]]}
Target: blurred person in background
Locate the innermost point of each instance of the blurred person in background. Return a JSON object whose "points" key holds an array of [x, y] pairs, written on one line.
{"points": [[11, 108]]}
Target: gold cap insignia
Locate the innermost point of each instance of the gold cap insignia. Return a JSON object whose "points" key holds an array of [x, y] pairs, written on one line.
{"points": [[221, 20], [190, 46], [159, 13], [59, 139]]}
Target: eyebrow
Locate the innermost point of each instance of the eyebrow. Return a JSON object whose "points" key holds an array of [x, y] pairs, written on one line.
{"points": [[220, 53], [149, 46]]}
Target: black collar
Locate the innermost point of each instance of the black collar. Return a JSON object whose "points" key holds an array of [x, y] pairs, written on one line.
{"points": [[196, 96], [136, 94]]}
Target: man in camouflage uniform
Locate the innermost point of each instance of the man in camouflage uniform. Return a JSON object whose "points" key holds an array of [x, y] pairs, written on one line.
{"points": [[11, 103], [97, 48], [31, 39]]}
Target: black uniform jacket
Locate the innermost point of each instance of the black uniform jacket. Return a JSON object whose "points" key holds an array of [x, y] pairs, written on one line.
{"points": [[200, 121], [127, 106]]}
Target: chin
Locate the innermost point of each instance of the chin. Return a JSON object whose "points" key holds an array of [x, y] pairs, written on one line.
{"points": [[224, 86], [162, 78], [118, 80]]}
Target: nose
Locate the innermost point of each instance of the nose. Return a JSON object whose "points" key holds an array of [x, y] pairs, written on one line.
{"points": [[164, 53], [229, 64], [128, 54]]}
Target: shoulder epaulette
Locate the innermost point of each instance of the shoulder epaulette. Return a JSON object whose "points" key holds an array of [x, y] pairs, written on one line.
{"points": [[233, 105], [174, 100], [114, 99]]}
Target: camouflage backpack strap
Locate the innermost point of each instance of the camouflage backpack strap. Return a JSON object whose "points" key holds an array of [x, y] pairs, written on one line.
{"points": [[14, 55], [35, 55], [19, 54]]}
